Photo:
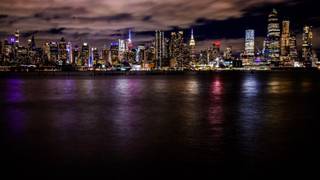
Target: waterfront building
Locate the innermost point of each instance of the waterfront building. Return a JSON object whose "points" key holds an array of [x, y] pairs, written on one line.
{"points": [[293, 51], [140, 54], [176, 51], [214, 51], [17, 38], [54, 52], [285, 41], [192, 45], [106, 56], [307, 45], [63, 54], [85, 54], [227, 54], [95, 56], [159, 48], [69, 53], [114, 51], [76, 56], [249, 52], [122, 49], [129, 44], [31, 43], [273, 38]]}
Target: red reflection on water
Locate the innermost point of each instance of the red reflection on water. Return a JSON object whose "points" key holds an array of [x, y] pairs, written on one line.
{"points": [[216, 111]]}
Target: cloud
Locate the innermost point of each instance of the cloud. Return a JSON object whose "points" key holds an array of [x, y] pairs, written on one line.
{"points": [[100, 19]]}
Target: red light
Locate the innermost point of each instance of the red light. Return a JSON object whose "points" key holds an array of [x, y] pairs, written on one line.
{"points": [[217, 43]]}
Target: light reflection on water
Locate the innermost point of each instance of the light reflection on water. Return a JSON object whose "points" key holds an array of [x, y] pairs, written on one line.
{"points": [[191, 118]]}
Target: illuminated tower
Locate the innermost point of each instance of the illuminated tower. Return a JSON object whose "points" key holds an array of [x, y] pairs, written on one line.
{"points": [[114, 52], [129, 44], [192, 45], [85, 54], [63, 54], [293, 52], [285, 40], [307, 45], [249, 46], [122, 49], [69, 53], [17, 37], [95, 56], [159, 49], [76, 56], [31, 44], [273, 37], [54, 52]]}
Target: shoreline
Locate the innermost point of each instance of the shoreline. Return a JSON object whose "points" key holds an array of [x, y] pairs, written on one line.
{"points": [[143, 73]]}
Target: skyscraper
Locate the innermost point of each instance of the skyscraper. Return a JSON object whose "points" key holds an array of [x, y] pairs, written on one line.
{"points": [[192, 45], [85, 54], [249, 46], [54, 52], [31, 43], [307, 45], [129, 44], [122, 49], [63, 55], [76, 56], [17, 37], [69, 53], [176, 50], [293, 51], [159, 48], [273, 38], [285, 40]]}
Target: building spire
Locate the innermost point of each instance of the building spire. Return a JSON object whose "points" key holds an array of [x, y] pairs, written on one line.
{"points": [[192, 41]]}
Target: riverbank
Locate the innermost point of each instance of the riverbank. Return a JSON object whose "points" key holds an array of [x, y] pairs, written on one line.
{"points": [[128, 73]]}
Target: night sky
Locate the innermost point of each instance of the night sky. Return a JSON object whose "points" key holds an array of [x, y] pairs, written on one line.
{"points": [[101, 21]]}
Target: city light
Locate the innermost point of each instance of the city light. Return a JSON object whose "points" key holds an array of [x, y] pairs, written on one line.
{"points": [[169, 51]]}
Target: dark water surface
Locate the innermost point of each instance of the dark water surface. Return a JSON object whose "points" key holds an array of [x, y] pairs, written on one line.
{"points": [[247, 123]]}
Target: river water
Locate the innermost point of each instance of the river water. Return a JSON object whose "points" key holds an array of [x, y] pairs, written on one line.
{"points": [[259, 123]]}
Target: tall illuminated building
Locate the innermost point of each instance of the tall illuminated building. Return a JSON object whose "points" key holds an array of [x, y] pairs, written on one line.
{"points": [[76, 56], [176, 50], [54, 52], [159, 49], [285, 41], [140, 54], [293, 51], [192, 45], [69, 53], [106, 55], [17, 37], [31, 43], [95, 56], [63, 54], [214, 51], [129, 44], [122, 49], [249, 46], [85, 54], [273, 37], [307, 45], [227, 54], [114, 52]]}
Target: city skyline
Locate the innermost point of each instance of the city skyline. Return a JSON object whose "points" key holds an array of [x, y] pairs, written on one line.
{"points": [[76, 23]]}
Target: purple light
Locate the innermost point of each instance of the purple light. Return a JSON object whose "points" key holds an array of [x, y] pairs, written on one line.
{"points": [[12, 39]]}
